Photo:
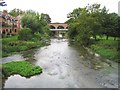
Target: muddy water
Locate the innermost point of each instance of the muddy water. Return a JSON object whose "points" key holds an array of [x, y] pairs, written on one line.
{"points": [[64, 66]]}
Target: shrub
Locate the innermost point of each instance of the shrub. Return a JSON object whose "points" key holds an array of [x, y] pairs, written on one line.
{"points": [[22, 68], [25, 34]]}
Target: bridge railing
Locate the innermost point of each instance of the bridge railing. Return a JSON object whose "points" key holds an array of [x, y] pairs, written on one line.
{"points": [[58, 29]]}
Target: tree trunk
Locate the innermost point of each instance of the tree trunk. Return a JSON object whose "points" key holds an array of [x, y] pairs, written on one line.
{"points": [[107, 37], [95, 37], [114, 38]]}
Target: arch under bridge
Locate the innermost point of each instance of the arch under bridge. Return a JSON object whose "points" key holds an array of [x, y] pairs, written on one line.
{"points": [[58, 29]]}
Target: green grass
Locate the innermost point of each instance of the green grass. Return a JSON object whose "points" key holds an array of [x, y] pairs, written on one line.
{"points": [[104, 38], [105, 52], [11, 38], [22, 68], [107, 49]]}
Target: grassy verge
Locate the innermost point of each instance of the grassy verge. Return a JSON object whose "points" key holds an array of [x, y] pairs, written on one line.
{"points": [[107, 49], [22, 68], [12, 45]]}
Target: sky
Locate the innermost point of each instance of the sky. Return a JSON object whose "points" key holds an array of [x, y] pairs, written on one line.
{"points": [[58, 9]]}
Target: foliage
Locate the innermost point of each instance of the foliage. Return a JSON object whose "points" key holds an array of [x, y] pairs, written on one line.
{"points": [[25, 34], [12, 45], [35, 21], [87, 26], [38, 23], [46, 17], [35, 33], [22, 68], [15, 12], [90, 22], [75, 14], [110, 25], [31, 21]]}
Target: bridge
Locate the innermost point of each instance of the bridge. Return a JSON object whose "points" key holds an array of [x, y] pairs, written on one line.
{"points": [[58, 29]]}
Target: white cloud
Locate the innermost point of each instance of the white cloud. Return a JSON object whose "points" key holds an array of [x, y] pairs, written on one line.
{"points": [[58, 9]]}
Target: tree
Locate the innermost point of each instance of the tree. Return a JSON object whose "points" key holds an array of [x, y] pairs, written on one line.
{"points": [[36, 23], [76, 12], [80, 29], [32, 21], [95, 21], [15, 12], [46, 17], [110, 25]]}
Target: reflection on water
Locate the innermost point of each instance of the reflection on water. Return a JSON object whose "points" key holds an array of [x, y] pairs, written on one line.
{"points": [[63, 66]]}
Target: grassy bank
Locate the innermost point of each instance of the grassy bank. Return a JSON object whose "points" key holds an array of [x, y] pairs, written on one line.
{"points": [[12, 45], [22, 68], [107, 49]]}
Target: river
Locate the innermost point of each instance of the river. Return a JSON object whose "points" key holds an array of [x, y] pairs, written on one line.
{"points": [[64, 66]]}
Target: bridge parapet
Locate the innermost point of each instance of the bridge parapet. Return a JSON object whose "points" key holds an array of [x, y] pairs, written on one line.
{"points": [[58, 29], [58, 26]]}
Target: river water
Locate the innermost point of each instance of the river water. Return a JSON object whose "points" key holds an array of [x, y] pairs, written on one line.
{"points": [[64, 66]]}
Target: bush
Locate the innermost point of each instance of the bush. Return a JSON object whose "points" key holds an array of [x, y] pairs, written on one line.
{"points": [[23, 68], [12, 45], [25, 34]]}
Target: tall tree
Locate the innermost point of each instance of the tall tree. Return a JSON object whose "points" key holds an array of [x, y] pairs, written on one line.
{"points": [[110, 25], [32, 21], [35, 22]]}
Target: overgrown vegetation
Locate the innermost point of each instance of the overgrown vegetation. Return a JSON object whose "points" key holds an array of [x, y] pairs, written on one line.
{"points": [[89, 23], [25, 34], [12, 45], [35, 33], [22, 68], [107, 49]]}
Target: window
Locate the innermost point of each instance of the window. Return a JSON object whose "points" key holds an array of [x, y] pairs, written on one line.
{"points": [[6, 30], [10, 31], [15, 30], [3, 32]]}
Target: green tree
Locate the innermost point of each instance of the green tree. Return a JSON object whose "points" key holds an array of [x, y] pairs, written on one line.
{"points": [[32, 21], [95, 21], [80, 30], [46, 17], [110, 25], [36, 23]]}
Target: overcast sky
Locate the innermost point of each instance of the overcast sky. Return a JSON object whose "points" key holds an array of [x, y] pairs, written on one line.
{"points": [[58, 9]]}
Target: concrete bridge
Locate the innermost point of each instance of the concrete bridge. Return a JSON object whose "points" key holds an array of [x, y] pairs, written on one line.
{"points": [[58, 29]]}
